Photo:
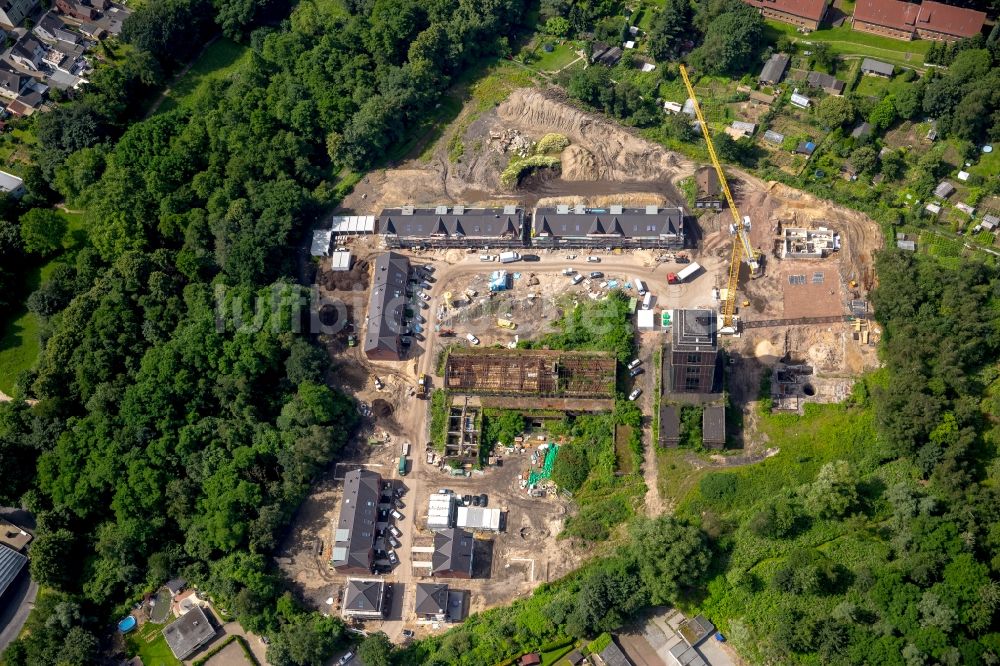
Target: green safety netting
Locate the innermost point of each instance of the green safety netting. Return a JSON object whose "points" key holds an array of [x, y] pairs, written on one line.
{"points": [[546, 472]]}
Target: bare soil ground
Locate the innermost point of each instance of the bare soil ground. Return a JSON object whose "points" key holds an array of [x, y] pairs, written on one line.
{"points": [[604, 164]]}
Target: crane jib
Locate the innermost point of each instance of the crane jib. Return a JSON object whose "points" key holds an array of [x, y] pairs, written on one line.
{"points": [[742, 249]]}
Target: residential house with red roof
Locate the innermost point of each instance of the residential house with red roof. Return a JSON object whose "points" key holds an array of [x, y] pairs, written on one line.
{"points": [[908, 20], [803, 13]]}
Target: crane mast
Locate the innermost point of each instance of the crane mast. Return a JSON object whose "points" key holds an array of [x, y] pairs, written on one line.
{"points": [[742, 249]]}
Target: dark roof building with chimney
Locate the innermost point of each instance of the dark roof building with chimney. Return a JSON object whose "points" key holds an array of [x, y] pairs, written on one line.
{"points": [[453, 554], [354, 534], [454, 226], [386, 307], [615, 226]]}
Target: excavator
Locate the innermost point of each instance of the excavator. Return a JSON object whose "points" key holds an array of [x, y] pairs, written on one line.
{"points": [[740, 228]]}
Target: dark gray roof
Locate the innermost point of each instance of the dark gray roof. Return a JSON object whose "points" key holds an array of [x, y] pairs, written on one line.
{"points": [[687, 655], [713, 424], [11, 563], [452, 222], [175, 585], [386, 303], [10, 79], [876, 66], [694, 331], [364, 596], [432, 599], [774, 69], [611, 56], [354, 535], [825, 81], [191, 631], [862, 130], [670, 423], [52, 25], [613, 656], [26, 47], [581, 222], [453, 551]]}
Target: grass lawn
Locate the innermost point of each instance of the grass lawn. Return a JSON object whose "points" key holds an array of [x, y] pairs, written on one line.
{"points": [[219, 60], [19, 344], [562, 55], [844, 41], [150, 645]]}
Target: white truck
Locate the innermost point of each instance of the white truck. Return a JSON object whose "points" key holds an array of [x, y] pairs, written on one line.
{"points": [[509, 257], [647, 301], [683, 274], [640, 286]]}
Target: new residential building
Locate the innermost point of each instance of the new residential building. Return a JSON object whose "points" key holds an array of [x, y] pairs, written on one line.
{"points": [[354, 534], [615, 226]]}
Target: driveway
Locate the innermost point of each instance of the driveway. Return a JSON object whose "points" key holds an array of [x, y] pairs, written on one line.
{"points": [[17, 603]]}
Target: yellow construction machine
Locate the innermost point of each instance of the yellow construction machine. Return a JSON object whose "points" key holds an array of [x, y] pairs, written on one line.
{"points": [[742, 250]]}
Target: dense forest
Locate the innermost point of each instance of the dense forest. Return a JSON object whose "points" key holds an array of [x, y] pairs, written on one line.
{"points": [[171, 437]]}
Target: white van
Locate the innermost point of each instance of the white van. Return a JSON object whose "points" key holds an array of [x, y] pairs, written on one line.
{"points": [[641, 287], [647, 301], [509, 257], [406, 448]]}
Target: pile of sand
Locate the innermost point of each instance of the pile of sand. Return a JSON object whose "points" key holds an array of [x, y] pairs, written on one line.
{"points": [[579, 164]]}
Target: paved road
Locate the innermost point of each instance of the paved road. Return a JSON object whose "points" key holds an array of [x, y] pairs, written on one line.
{"points": [[17, 603]]}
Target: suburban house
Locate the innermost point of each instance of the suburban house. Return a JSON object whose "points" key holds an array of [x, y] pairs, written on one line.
{"points": [[386, 306], [774, 69], [693, 352], [713, 426], [12, 12], [455, 226], [873, 67], [453, 553], [189, 633], [52, 29], [615, 226], [11, 185], [364, 598], [12, 82], [709, 194], [739, 129], [825, 82], [28, 53], [924, 20], [76, 9], [436, 603], [803, 13], [354, 535]]}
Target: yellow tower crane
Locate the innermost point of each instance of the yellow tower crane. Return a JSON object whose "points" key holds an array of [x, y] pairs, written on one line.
{"points": [[742, 250]]}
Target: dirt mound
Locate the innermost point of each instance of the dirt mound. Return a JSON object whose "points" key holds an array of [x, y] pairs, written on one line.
{"points": [[618, 154], [381, 408], [356, 278], [578, 163]]}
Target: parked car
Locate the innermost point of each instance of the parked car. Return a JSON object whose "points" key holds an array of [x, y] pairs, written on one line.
{"points": [[487, 257], [393, 558], [596, 275], [635, 394], [568, 271], [424, 296], [396, 514], [378, 384], [577, 279], [407, 633], [471, 338], [345, 659], [396, 543], [483, 500], [400, 491], [467, 500], [634, 372], [417, 328], [425, 285], [633, 363], [394, 531], [594, 260], [398, 503], [428, 269], [476, 500], [530, 257]]}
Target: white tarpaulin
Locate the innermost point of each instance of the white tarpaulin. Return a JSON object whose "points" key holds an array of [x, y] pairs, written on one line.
{"points": [[354, 224]]}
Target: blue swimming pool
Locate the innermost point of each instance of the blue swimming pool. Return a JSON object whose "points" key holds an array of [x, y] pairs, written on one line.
{"points": [[127, 624]]}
